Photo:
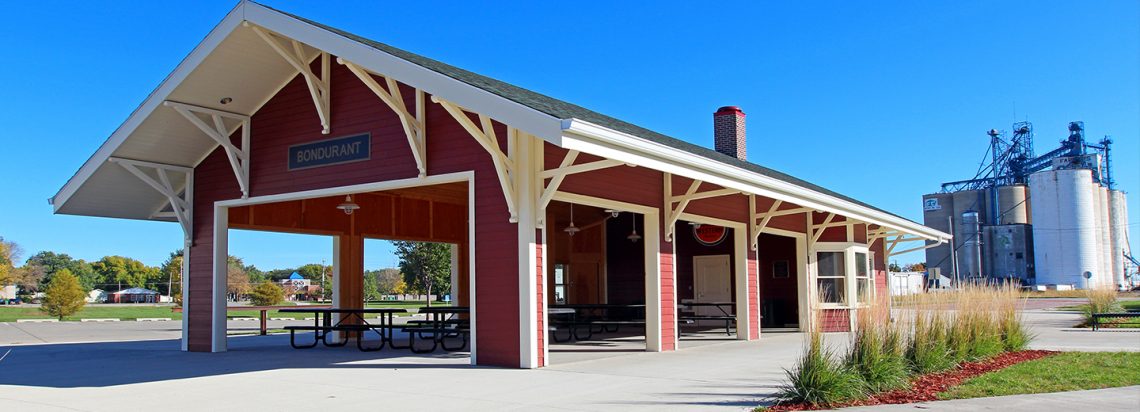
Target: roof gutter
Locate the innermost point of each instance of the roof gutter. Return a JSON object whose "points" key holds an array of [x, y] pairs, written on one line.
{"points": [[591, 138]]}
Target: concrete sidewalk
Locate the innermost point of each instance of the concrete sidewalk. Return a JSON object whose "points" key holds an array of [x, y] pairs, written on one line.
{"points": [[1101, 400]]}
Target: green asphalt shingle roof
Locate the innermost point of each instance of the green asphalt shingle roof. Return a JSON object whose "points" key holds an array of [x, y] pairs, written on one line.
{"points": [[565, 110]]}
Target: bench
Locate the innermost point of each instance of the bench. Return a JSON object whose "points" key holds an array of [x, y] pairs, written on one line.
{"points": [[1096, 317], [574, 328], [321, 334], [438, 338], [728, 320]]}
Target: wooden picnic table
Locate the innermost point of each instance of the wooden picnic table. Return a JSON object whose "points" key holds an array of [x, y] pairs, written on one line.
{"points": [[726, 309], [441, 322]]}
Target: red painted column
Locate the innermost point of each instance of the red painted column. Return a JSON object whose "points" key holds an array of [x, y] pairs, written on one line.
{"points": [[668, 297], [753, 296]]}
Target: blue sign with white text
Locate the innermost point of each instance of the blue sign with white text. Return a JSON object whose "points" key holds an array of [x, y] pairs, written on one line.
{"points": [[329, 152]]}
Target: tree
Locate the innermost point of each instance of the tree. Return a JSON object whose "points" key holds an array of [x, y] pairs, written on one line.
{"points": [[172, 269], [237, 283], [390, 282], [119, 270], [64, 296], [9, 254], [266, 294], [371, 286], [426, 266], [43, 265], [894, 267]]}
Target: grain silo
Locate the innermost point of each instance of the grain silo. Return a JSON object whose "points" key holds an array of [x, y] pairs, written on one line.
{"points": [[1118, 223], [1013, 205], [1064, 227]]}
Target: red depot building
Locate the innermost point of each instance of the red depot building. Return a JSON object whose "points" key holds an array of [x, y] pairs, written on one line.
{"points": [[274, 123]]}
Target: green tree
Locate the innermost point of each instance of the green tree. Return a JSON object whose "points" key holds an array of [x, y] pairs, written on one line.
{"points": [[426, 266], [64, 296], [266, 294], [371, 286], [172, 269], [119, 271], [43, 265], [9, 254]]}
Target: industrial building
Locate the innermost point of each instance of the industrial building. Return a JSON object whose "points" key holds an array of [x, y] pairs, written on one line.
{"points": [[1052, 220]]}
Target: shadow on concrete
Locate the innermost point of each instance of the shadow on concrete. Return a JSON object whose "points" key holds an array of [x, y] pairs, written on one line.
{"points": [[119, 363]]}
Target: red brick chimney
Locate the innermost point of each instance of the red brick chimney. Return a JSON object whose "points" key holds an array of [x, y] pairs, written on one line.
{"points": [[728, 131]]}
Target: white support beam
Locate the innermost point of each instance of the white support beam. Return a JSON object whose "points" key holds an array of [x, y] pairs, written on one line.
{"points": [[758, 227], [484, 134], [294, 54], [220, 132], [673, 214], [817, 230], [557, 175], [914, 249], [414, 125], [181, 201]]}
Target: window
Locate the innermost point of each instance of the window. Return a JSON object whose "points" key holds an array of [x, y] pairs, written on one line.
{"points": [[780, 269], [560, 284], [862, 278], [832, 271]]}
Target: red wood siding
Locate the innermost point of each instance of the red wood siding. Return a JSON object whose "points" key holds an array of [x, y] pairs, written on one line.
{"points": [[541, 299], [753, 296], [835, 320], [881, 275], [289, 118], [668, 294]]}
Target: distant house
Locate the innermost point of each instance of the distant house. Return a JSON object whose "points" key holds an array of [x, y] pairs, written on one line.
{"points": [[134, 295], [96, 296]]}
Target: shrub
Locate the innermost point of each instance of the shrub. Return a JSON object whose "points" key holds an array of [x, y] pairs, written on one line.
{"points": [[266, 294], [819, 378], [64, 296]]}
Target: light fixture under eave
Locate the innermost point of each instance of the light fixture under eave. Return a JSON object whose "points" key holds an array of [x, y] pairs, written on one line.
{"points": [[633, 236], [571, 229], [348, 206]]}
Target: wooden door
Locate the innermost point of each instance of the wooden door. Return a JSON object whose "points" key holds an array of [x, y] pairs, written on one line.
{"points": [[712, 281]]}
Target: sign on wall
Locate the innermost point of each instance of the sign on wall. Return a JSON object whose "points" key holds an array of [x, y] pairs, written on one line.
{"points": [[335, 151], [931, 204], [709, 235]]}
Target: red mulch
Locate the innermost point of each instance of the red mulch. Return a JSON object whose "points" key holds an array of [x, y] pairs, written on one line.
{"points": [[926, 387]]}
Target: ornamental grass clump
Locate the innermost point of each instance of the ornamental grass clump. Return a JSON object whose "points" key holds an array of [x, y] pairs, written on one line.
{"points": [[1101, 300], [1015, 336], [819, 377], [929, 349], [877, 351]]}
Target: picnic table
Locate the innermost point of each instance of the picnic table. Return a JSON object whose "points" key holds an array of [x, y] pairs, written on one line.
{"points": [[264, 312], [350, 321], [440, 323], [592, 318], [726, 315]]}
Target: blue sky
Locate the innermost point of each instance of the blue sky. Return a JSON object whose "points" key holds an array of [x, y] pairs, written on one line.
{"points": [[880, 101]]}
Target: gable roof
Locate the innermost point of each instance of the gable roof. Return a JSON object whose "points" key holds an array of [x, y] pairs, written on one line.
{"points": [[101, 185]]}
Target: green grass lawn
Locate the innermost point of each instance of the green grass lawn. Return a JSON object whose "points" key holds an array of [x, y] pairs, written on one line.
{"points": [[1069, 371], [11, 313]]}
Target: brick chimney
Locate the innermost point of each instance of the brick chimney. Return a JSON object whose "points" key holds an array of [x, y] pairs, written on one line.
{"points": [[728, 131]]}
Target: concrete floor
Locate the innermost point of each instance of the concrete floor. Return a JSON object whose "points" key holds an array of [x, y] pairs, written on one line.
{"points": [[39, 370]]}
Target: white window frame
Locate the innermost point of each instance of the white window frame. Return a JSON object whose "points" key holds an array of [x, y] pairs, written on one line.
{"points": [[849, 249]]}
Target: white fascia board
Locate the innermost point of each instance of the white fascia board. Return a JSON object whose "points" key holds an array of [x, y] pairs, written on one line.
{"points": [[153, 101], [591, 138], [501, 109]]}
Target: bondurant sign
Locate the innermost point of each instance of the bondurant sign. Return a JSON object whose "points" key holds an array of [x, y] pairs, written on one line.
{"points": [[338, 150]]}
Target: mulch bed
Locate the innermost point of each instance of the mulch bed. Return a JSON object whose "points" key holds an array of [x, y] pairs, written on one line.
{"points": [[926, 388]]}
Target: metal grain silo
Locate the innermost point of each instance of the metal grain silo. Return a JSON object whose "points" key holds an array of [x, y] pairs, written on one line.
{"points": [[1118, 223], [1104, 237], [970, 255], [1013, 205], [1064, 227], [937, 212]]}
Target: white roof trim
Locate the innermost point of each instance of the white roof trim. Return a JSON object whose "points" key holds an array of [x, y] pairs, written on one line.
{"points": [[591, 138], [504, 110]]}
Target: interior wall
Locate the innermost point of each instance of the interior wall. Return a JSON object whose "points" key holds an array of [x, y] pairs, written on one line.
{"points": [[625, 261], [688, 246]]}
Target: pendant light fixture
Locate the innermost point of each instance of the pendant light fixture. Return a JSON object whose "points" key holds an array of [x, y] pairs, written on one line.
{"points": [[633, 236], [571, 229], [348, 206]]}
